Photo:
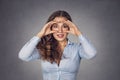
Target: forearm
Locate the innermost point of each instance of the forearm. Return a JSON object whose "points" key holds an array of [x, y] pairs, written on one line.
{"points": [[40, 34], [87, 49], [28, 49]]}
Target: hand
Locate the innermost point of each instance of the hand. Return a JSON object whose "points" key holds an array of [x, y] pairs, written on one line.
{"points": [[73, 28], [46, 29]]}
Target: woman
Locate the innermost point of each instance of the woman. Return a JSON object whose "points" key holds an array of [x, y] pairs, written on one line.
{"points": [[60, 58]]}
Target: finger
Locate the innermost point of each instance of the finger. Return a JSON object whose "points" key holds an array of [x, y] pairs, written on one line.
{"points": [[52, 32], [68, 31], [48, 30], [47, 25], [51, 22], [73, 26], [71, 23], [68, 23]]}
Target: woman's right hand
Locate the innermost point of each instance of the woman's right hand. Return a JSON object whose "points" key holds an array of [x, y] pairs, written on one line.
{"points": [[46, 29]]}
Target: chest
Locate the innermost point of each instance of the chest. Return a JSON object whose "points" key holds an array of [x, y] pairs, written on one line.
{"points": [[69, 62]]}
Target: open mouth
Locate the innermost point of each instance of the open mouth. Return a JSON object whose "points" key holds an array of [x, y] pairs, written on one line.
{"points": [[60, 35]]}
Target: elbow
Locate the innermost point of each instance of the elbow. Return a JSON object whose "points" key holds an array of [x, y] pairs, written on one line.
{"points": [[91, 54], [23, 58]]}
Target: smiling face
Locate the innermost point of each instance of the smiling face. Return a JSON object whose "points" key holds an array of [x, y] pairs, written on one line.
{"points": [[60, 27]]}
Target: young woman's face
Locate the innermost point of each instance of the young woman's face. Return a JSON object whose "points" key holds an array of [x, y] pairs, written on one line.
{"points": [[60, 27]]}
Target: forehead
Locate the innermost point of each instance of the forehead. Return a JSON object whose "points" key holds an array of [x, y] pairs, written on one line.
{"points": [[60, 19]]}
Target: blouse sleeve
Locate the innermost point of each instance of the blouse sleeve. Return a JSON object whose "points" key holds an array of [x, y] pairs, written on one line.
{"points": [[86, 48], [29, 51]]}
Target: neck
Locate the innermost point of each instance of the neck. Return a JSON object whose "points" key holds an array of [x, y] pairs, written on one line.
{"points": [[63, 43]]}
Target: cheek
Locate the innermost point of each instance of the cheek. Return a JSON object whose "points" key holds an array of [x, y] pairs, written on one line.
{"points": [[54, 34], [66, 34]]}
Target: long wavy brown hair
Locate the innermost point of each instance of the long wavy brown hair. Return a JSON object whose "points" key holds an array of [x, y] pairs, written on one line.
{"points": [[48, 46]]}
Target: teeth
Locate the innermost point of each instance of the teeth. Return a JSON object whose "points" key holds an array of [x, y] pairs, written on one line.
{"points": [[60, 35]]}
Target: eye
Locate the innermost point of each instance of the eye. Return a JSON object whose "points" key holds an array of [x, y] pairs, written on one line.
{"points": [[65, 26], [54, 25]]}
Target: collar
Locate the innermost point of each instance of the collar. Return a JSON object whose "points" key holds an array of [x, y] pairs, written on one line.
{"points": [[69, 42]]}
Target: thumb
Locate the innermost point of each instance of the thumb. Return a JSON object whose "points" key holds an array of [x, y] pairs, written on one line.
{"points": [[52, 32], [68, 31]]}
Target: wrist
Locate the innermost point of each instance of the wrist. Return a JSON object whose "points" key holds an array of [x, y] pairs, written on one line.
{"points": [[39, 35], [79, 33]]}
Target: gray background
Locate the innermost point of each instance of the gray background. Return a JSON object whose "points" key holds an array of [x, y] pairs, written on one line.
{"points": [[99, 20]]}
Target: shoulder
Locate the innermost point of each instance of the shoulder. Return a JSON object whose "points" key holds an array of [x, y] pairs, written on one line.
{"points": [[70, 43], [73, 45]]}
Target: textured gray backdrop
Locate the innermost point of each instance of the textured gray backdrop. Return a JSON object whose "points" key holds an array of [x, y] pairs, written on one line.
{"points": [[99, 20]]}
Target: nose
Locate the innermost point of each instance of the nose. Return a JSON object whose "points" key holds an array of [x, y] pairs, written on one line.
{"points": [[60, 29]]}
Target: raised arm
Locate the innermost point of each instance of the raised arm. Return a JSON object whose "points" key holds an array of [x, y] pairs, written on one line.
{"points": [[29, 51], [86, 49]]}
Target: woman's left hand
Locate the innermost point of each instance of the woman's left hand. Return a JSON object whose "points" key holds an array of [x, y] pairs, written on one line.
{"points": [[73, 29]]}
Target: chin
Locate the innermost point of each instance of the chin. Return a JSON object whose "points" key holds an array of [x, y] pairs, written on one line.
{"points": [[60, 39]]}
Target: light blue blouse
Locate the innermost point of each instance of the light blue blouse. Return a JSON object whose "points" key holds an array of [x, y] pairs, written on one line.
{"points": [[69, 64]]}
